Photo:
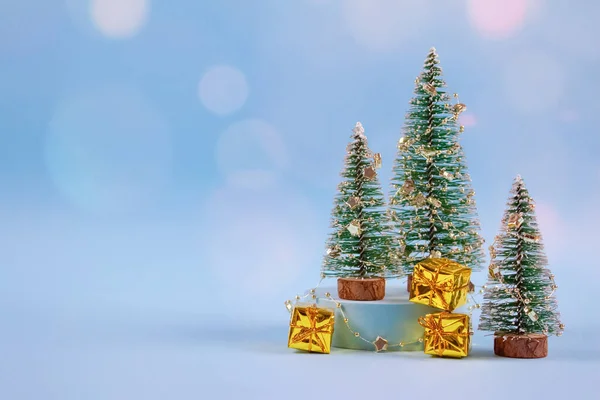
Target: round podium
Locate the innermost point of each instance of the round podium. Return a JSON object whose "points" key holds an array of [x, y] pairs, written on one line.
{"points": [[394, 318]]}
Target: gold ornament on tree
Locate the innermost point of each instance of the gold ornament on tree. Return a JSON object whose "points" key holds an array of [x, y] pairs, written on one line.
{"points": [[353, 202], [369, 173], [401, 244], [492, 250], [377, 160], [419, 200], [531, 314], [447, 175], [435, 202], [407, 188], [457, 109], [530, 238], [494, 271], [515, 220], [429, 88], [354, 228], [334, 251], [403, 144]]}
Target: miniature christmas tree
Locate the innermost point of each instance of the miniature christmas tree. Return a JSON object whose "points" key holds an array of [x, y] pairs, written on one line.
{"points": [[359, 250], [518, 302], [432, 205]]}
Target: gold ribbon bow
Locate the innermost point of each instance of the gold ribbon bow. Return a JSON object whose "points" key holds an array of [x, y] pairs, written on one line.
{"points": [[438, 288], [312, 332], [441, 340]]}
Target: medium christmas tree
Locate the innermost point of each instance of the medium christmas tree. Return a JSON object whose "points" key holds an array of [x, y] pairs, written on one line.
{"points": [[518, 302], [432, 205], [359, 249]]}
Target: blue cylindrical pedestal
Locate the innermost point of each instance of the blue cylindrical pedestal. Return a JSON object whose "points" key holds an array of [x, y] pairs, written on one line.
{"points": [[394, 318]]}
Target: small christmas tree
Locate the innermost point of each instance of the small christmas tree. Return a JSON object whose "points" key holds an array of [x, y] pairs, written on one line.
{"points": [[360, 246], [432, 204], [518, 302]]}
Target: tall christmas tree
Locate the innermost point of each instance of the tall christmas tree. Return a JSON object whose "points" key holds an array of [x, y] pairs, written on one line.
{"points": [[432, 205], [518, 301], [360, 245]]}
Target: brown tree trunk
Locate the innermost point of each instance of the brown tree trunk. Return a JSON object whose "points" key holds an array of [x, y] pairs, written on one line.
{"points": [[361, 289], [531, 345]]}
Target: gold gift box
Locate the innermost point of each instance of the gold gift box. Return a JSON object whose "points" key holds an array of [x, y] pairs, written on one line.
{"points": [[446, 334], [311, 329], [440, 283]]}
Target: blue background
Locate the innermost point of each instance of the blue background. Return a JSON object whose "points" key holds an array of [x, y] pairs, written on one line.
{"points": [[167, 170]]}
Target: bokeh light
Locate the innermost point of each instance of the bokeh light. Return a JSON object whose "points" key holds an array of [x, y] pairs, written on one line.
{"points": [[385, 25], [251, 154], [498, 19], [108, 150], [256, 241], [467, 120], [552, 228], [119, 18], [223, 89], [533, 81]]}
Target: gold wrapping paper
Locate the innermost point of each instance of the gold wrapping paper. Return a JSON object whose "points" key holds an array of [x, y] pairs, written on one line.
{"points": [[446, 334], [311, 329], [440, 283]]}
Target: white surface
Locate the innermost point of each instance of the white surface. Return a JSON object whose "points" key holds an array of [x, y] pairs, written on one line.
{"points": [[395, 318], [129, 355]]}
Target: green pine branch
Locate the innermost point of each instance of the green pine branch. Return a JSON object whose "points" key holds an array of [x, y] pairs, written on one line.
{"points": [[432, 204], [519, 297], [360, 244]]}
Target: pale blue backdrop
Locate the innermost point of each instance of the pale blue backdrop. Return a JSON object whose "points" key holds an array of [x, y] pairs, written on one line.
{"points": [[167, 170]]}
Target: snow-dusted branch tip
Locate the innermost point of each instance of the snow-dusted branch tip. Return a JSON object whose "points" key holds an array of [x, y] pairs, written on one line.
{"points": [[358, 129]]}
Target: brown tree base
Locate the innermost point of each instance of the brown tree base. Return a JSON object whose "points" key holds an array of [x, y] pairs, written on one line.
{"points": [[533, 345], [361, 289], [409, 282]]}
